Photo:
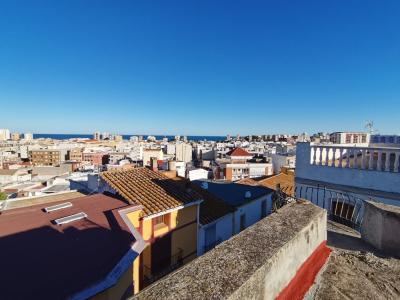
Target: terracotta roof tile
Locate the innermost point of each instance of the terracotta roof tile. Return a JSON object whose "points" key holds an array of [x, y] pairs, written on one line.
{"points": [[155, 191], [238, 152]]}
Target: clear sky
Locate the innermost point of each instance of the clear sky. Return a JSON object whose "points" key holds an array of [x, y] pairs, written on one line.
{"points": [[199, 67]]}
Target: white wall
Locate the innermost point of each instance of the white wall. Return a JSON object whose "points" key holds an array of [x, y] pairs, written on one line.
{"points": [[252, 211], [223, 231], [368, 179], [229, 225], [198, 174]]}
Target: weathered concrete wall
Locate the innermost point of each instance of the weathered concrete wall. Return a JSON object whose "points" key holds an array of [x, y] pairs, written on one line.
{"points": [[380, 227], [257, 263]]}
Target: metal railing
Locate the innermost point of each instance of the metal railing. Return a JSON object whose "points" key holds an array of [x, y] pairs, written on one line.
{"points": [[341, 207]]}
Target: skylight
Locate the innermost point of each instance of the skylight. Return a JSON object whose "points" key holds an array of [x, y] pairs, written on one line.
{"points": [[58, 206], [70, 218]]}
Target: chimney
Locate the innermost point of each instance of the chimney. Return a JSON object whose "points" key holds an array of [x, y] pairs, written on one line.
{"points": [[154, 164]]}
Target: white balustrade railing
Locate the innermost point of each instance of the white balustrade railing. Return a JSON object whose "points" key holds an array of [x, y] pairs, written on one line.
{"points": [[363, 158]]}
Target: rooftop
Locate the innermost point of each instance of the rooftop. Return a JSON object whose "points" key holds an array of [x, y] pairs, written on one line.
{"points": [[212, 208], [238, 152], [153, 190], [67, 256], [234, 193]]}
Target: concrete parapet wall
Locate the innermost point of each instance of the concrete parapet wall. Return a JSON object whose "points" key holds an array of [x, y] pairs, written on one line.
{"points": [[380, 227], [261, 262]]}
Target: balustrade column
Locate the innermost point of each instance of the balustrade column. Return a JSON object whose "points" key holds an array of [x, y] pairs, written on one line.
{"points": [[333, 164], [396, 162], [327, 156], [363, 154], [371, 159], [379, 163], [314, 160], [340, 157], [320, 156], [355, 160], [387, 162], [348, 158]]}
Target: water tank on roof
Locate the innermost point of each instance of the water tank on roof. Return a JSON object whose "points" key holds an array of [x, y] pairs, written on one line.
{"points": [[204, 185]]}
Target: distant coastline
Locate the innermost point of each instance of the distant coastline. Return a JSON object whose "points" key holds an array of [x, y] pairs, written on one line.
{"points": [[125, 137]]}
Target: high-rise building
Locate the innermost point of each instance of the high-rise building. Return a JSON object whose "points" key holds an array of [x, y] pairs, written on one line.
{"points": [[97, 136], [5, 135]]}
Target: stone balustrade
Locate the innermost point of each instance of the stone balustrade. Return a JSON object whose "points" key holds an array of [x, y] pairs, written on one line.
{"points": [[364, 158]]}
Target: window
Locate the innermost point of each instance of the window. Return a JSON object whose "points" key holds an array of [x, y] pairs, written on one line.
{"points": [[348, 138], [242, 222], [160, 220], [355, 138], [363, 138]]}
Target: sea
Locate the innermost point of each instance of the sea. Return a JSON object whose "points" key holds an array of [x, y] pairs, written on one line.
{"points": [[126, 137]]}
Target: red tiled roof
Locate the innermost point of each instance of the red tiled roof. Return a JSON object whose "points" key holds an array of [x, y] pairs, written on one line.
{"points": [[238, 152], [47, 261], [155, 191]]}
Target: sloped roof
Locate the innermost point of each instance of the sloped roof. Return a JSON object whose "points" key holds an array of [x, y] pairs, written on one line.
{"points": [[286, 182], [155, 191], [238, 152], [212, 208], [234, 194]]}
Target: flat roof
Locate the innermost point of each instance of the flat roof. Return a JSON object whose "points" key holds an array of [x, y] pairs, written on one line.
{"points": [[49, 261]]}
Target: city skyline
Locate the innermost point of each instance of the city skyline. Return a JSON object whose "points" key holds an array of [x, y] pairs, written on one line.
{"points": [[191, 69]]}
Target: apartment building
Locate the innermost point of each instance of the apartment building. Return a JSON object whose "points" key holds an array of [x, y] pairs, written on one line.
{"points": [[76, 154], [45, 157], [95, 158], [5, 134], [236, 166], [148, 154], [15, 136], [168, 220], [350, 137], [184, 152]]}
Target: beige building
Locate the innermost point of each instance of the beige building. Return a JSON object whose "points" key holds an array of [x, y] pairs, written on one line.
{"points": [[15, 136], [148, 154], [75, 154], [183, 152], [45, 157]]}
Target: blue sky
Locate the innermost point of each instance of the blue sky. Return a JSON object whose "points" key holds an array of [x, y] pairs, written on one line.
{"points": [[199, 67]]}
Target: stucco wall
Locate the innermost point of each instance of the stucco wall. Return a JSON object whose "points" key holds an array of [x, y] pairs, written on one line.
{"points": [[380, 227]]}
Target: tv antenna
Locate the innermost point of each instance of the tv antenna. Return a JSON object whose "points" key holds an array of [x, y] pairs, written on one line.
{"points": [[369, 125]]}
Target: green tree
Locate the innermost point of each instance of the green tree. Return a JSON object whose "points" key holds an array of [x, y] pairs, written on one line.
{"points": [[3, 196]]}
